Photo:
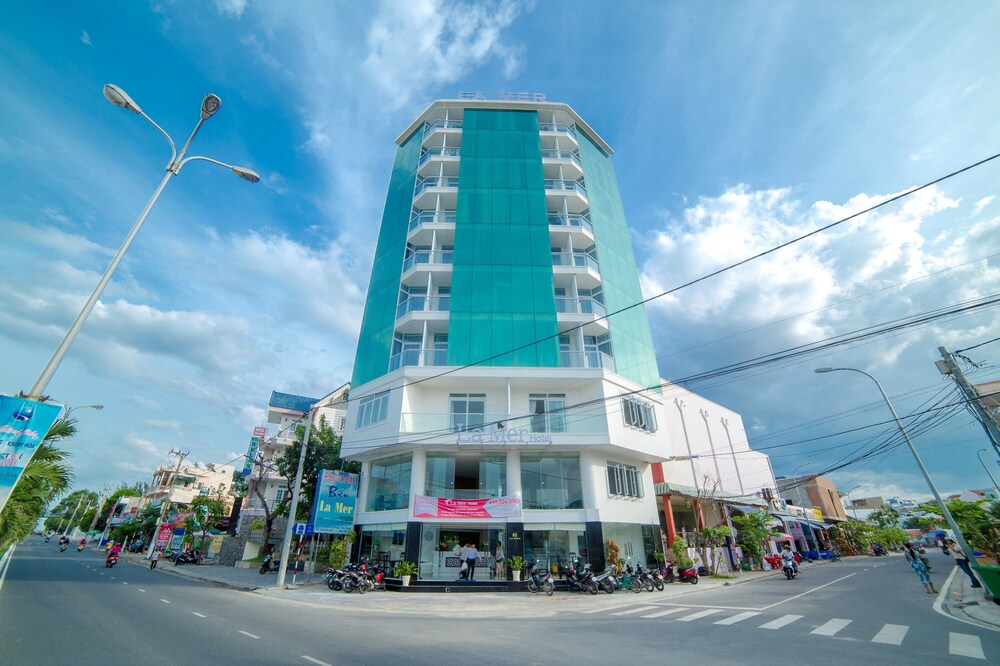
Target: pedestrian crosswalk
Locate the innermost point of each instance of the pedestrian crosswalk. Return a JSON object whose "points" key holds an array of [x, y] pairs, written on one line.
{"points": [[959, 644]]}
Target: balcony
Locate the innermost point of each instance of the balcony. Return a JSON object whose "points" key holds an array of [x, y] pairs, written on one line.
{"points": [[576, 259], [572, 221], [569, 161], [501, 428], [568, 185], [432, 153], [420, 257], [418, 357], [426, 188], [572, 192], [423, 304], [441, 124], [586, 359], [558, 128], [432, 217], [426, 183], [587, 306]]}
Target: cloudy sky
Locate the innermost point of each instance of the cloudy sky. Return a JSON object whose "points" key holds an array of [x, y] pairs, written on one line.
{"points": [[737, 127]]}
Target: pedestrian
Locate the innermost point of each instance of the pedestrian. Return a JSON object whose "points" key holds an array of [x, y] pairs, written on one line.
{"points": [[471, 555], [962, 561], [498, 559], [919, 568], [154, 558], [459, 552]]}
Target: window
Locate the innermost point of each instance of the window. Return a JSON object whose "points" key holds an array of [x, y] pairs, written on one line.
{"points": [[623, 480], [468, 411], [389, 484], [343, 423], [466, 476], [547, 412], [281, 494], [551, 481], [639, 414], [373, 409]]}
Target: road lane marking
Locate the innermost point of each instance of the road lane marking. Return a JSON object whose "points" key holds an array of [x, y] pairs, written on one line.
{"points": [[112, 578], [965, 645], [831, 628], [6, 565], [640, 609], [140, 589], [247, 633], [781, 622], [664, 613], [891, 634], [164, 601], [699, 615], [802, 594], [315, 661], [198, 614], [124, 583], [738, 618]]}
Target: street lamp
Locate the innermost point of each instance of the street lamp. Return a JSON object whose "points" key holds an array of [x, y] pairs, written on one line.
{"points": [[69, 410], [930, 483], [209, 105], [853, 508], [986, 468]]}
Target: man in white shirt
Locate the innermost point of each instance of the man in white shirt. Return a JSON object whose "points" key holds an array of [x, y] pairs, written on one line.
{"points": [[471, 555]]}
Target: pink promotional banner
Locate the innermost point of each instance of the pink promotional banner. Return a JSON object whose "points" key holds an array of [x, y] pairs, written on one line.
{"points": [[441, 507]]}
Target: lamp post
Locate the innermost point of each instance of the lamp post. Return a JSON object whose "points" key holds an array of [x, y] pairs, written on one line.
{"points": [[920, 463], [986, 468], [70, 410], [119, 97], [854, 509]]}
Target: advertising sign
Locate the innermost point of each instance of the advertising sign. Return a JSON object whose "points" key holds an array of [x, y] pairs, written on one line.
{"points": [[440, 507], [795, 529], [23, 425], [163, 536], [251, 454], [333, 508], [818, 514]]}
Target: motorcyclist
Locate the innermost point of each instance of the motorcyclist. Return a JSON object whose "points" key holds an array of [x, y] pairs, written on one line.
{"points": [[113, 553], [788, 556], [63, 540]]}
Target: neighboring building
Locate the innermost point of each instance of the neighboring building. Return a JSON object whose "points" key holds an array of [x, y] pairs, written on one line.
{"points": [[899, 505], [285, 411], [189, 481], [813, 492], [492, 400], [868, 503]]}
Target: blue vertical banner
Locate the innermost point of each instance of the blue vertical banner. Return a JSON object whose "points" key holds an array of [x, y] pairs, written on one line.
{"points": [[333, 507], [23, 425]]}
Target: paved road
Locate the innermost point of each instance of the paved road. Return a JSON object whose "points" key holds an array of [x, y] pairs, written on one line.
{"points": [[58, 608]]}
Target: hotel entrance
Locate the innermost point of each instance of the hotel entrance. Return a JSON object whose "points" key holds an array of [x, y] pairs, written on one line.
{"points": [[439, 542]]}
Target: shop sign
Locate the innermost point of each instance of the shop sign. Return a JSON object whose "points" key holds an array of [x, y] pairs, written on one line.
{"points": [[795, 529], [333, 508], [496, 435], [163, 537], [441, 507], [818, 514], [251, 455]]}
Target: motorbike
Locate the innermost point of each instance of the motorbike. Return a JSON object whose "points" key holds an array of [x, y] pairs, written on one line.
{"points": [[580, 579], [539, 580], [606, 580], [689, 575], [650, 578], [79, 547], [62, 548], [191, 557], [789, 569], [334, 578], [269, 564], [47, 539], [111, 561], [630, 580]]}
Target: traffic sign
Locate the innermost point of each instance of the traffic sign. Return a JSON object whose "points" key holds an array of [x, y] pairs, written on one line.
{"points": [[303, 529]]}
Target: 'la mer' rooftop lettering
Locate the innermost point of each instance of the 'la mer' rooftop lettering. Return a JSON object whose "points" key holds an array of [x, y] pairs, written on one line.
{"points": [[503, 436]]}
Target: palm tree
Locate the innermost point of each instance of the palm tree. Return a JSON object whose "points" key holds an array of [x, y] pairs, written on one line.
{"points": [[46, 477]]}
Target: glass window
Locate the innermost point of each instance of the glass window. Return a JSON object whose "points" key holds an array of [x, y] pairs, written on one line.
{"points": [[373, 409], [389, 484], [638, 414], [547, 412], [467, 411], [383, 544], [624, 480], [551, 481], [466, 476]]}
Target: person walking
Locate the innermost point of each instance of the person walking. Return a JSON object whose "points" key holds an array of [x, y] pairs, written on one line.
{"points": [[471, 555], [498, 560], [962, 561], [919, 568], [154, 558]]}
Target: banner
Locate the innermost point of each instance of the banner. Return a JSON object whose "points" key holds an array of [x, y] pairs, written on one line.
{"points": [[333, 508], [440, 507], [163, 537], [251, 454], [23, 425]]}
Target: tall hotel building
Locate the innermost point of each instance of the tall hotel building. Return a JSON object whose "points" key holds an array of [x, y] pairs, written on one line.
{"points": [[486, 369]]}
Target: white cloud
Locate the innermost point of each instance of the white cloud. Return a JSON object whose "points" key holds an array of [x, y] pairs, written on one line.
{"points": [[981, 204], [85, 38], [233, 8]]}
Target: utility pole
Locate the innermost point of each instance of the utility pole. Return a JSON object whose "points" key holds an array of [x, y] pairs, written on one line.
{"points": [[949, 367], [71, 519], [100, 505], [286, 544], [70, 523], [165, 504]]}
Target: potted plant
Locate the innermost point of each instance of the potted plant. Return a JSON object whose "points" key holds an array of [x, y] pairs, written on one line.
{"points": [[405, 570], [516, 564]]}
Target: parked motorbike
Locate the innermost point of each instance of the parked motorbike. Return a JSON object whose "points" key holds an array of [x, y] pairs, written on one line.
{"points": [[580, 577], [539, 580], [269, 564], [191, 557], [334, 578], [629, 579], [689, 575], [649, 580], [606, 580], [789, 569]]}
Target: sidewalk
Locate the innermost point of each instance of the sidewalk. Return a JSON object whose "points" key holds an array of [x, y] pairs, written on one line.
{"points": [[963, 600], [231, 577]]}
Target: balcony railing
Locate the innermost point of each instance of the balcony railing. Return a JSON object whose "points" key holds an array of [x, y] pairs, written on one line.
{"points": [[580, 259], [440, 257], [424, 183], [580, 306], [424, 357], [557, 127], [562, 155], [581, 221], [424, 304], [441, 124], [499, 427], [568, 185], [586, 359], [431, 153], [431, 217]]}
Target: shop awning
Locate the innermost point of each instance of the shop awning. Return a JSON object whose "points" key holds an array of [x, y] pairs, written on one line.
{"points": [[731, 499], [818, 524]]}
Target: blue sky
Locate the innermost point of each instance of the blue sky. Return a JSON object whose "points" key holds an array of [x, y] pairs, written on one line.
{"points": [[736, 126]]}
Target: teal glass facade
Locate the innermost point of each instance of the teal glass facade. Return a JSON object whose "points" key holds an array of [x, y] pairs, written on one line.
{"points": [[501, 294]]}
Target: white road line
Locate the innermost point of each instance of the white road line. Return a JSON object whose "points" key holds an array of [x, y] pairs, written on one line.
{"points": [[112, 578], [965, 645], [315, 661], [738, 618], [781, 622], [891, 634], [699, 615], [6, 565], [784, 601], [140, 589], [831, 628], [640, 609], [164, 601], [664, 613], [593, 610], [198, 614], [124, 583], [247, 633]]}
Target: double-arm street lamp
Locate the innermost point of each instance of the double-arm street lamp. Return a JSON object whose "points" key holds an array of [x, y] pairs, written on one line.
{"points": [[923, 470], [209, 106]]}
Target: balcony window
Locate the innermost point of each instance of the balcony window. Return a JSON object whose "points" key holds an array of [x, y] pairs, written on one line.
{"points": [[596, 348], [547, 412], [624, 480], [389, 483], [638, 414], [468, 411], [373, 409]]}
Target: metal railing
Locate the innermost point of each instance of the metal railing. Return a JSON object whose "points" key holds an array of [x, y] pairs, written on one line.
{"points": [[425, 183], [499, 426], [580, 306], [579, 259], [586, 359], [431, 217], [423, 304], [439, 257], [567, 185], [557, 127], [418, 357], [431, 153], [441, 124], [562, 155], [572, 220]]}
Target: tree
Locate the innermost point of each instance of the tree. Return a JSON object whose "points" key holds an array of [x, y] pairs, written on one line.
{"points": [[270, 512], [884, 517], [141, 526], [712, 538], [323, 453], [205, 513], [751, 530]]}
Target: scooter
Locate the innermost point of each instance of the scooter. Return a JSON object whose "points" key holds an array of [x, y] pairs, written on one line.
{"points": [[79, 547], [539, 580], [111, 561], [789, 569], [580, 579], [689, 575], [606, 580], [188, 557], [269, 564]]}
